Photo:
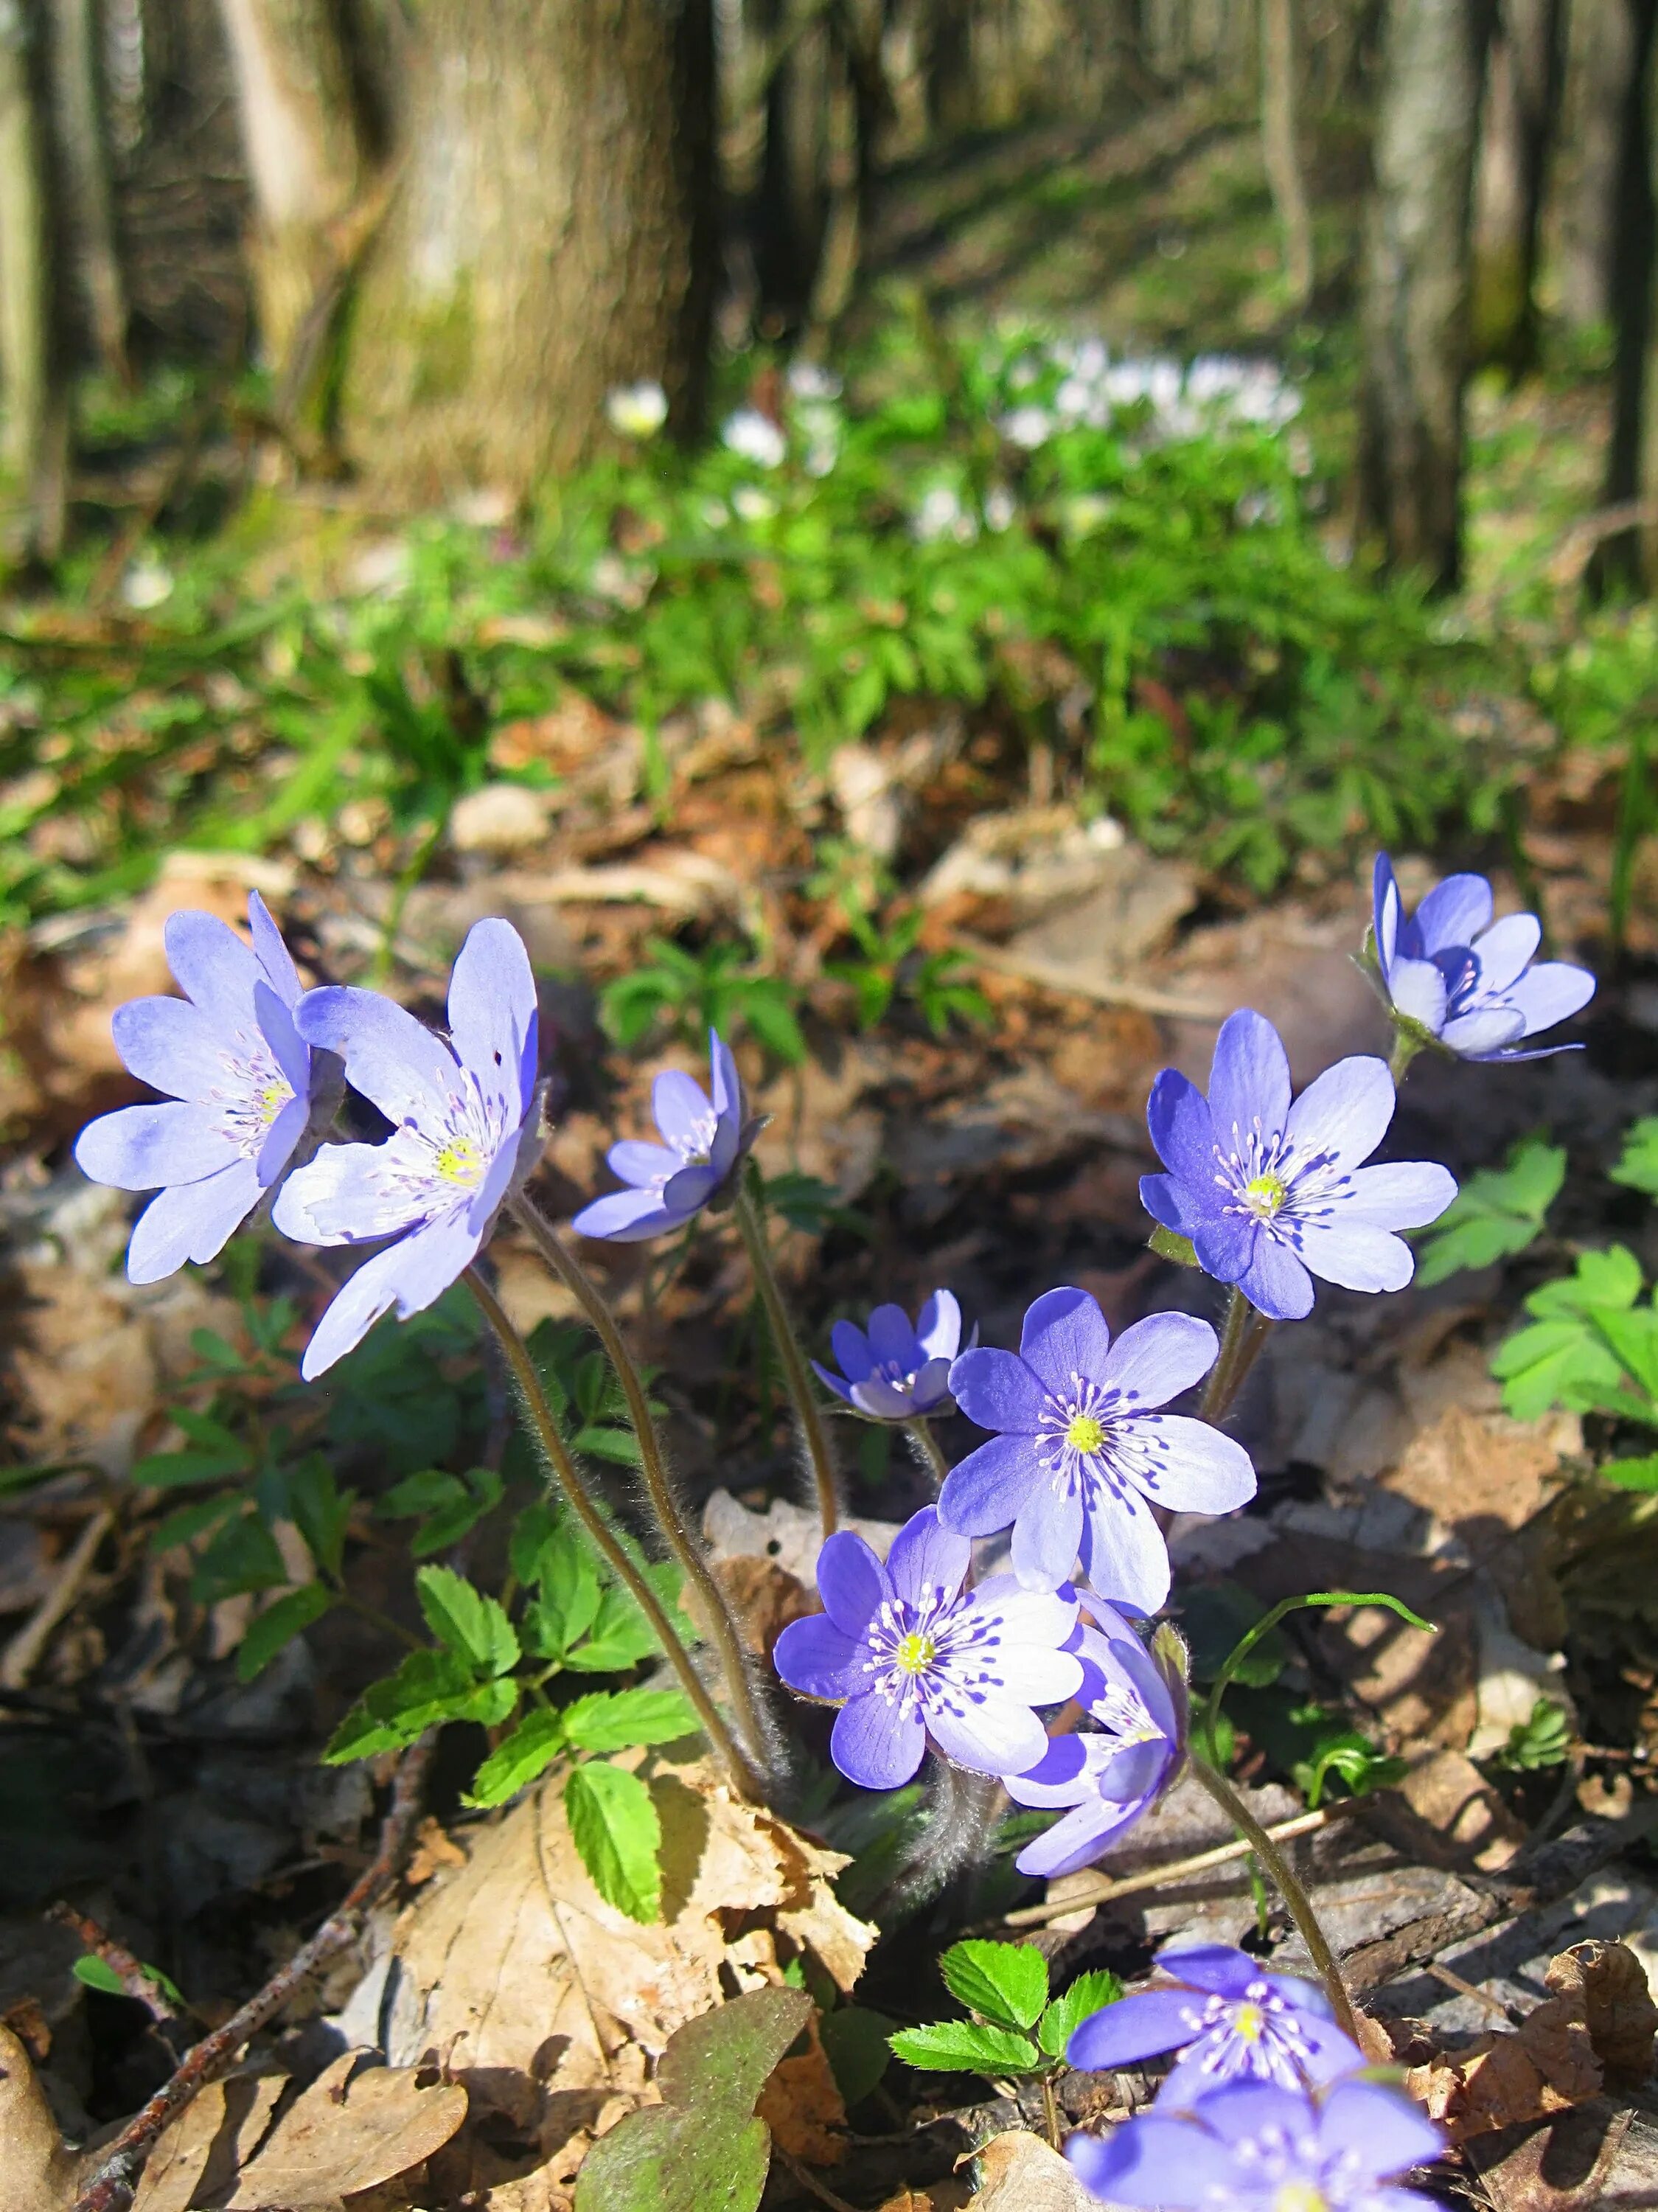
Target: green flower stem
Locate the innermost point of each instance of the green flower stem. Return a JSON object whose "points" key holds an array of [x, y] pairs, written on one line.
{"points": [[1284, 1875], [604, 1540], [928, 1450], [1405, 1049], [714, 1606], [1242, 1338], [794, 1360]]}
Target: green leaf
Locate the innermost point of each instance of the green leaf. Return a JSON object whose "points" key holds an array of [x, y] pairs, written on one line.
{"points": [[320, 1511], [429, 1687], [1640, 1473], [1563, 1357], [621, 1637], [616, 1720], [1638, 1167], [96, 1974], [614, 1827], [1354, 1758], [190, 1521], [963, 2046], [513, 1765], [1633, 1337], [279, 1624], [447, 1506], [567, 1574], [465, 1622], [1169, 1245], [1497, 1212], [169, 1470], [1006, 1983], [1088, 1994], [242, 1557], [1542, 1740], [855, 2043]]}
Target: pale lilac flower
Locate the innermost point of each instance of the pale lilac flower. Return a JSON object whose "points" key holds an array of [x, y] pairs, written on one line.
{"points": [[239, 1083], [1254, 2146], [896, 1371], [465, 1129], [1229, 2020], [1084, 1456], [918, 1658], [1272, 1194], [1103, 1778], [1472, 983], [704, 1144]]}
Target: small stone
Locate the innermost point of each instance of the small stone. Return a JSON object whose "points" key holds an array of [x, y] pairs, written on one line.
{"points": [[502, 818]]}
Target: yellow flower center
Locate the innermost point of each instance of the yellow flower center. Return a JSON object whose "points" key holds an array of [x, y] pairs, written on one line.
{"points": [[1085, 1434], [460, 1161], [1301, 2197], [916, 1654], [1248, 2022], [272, 1099], [1263, 1194]]}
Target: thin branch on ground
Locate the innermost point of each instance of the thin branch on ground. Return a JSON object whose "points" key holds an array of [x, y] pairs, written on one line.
{"points": [[137, 1980]]}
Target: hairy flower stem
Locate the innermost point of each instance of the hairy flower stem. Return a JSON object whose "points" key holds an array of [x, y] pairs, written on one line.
{"points": [[1243, 1335], [1288, 1886], [604, 1540], [928, 1450], [712, 1606], [794, 1360], [1405, 1049]]}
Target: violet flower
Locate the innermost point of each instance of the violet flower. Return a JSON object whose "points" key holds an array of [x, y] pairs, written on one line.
{"points": [[466, 1129], [1104, 1779], [1229, 2019], [1254, 2146], [1471, 983], [1082, 1457], [238, 1080], [895, 1372], [1272, 1193], [704, 1144], [918, 1658]]}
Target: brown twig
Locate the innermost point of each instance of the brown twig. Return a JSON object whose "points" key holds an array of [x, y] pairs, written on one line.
{"points": [[112, 2186], [136, 1979], [22, 1654]]}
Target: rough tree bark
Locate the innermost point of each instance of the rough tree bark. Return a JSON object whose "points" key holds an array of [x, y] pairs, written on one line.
{"points": [[1631, 557], [33, 441], [1523, 96], [1278, 148], [86, 177], [1600, 62], [1417, 262]]}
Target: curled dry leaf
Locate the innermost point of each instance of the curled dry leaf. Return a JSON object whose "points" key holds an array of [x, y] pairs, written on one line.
{"points": [[1022, 2174], [803, 2107], [1610, 1983], [353, 2128]]}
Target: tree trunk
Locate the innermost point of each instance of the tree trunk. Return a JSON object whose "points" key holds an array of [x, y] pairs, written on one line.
{"points": [[550, 236], [1415, 315], [1522, 92], [1600, 64], [1632, 452], [34, 439], [85, 176], [1278, 148]]}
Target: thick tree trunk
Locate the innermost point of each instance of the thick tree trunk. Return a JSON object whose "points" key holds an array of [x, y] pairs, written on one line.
{"points": [[1415, 319], [85, 176], [551, 235], [1523, 93], [34, 438], [1600, 62], [1279, 149]]}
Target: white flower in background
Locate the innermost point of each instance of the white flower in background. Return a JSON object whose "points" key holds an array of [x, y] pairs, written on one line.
{"points": [[715, 513], [755, 437], [810, 379], [636, 410], [1023, 373], [1000, 508], [822, 456], [941, 514], [1080, 400], [753, 504], [146, 583], [612, 578], [1028, 426]]}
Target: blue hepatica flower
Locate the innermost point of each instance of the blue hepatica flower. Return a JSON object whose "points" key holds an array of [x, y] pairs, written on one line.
{"points": [[466, 1129], [238, 1080], [1083, 1455], [1229, 2020], [1472, 983], [1254, 2146], [1271, 1192], [895, 1372], [917, 1658], [1104, 1777], [703, 1143]]}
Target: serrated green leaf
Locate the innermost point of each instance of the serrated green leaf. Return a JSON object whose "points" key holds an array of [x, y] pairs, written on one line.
{"points": [[621, 1637], [1088, 1994], [1563, 1358], [618, 1720], [427, 1688], [614, 1827], [279, 1624], [1006, 1983], [964, 2046], [447, 1506], [567, 1575], [855, 2043], [1638, 1167], [190, 1521], [466, 1622], [1497, 1212], [514, 1763], [1633, 1338]]}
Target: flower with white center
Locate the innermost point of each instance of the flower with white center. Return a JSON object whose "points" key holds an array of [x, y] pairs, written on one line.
{"points": [[755, 437], [636, 410]]}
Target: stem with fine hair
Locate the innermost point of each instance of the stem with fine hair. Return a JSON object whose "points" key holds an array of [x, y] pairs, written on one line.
{"points": [[1405, 1049], [928, 1450], [1244, 1334], [794, 1360], [604, 1540], [699, 1575]]}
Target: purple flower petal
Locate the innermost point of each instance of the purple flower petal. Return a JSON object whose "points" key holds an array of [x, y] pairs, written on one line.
{"points": [[1250, 1078], [1158, 1357], [1385, 2131], [831, 1380], [1036, 1675], [681, 1112], [212, 965], [892, 1339], [1552, 992], [997, 1390], [687, 1192], [346, 1196], [852, 1582], [1488, 1029], [1061, 1776], [1220, 1969], [1047, 1536], [1453, 913], [1077, 1840], [1182, 1129], [1196, 1468], [1386, 906], [1419, 990], [1027, 1616], [1404, 1195], [493, 1022], [395, 1061], [1505, 951], [272, 955], [170, 1044], [876, 1744], [1123, 1552], [852, 1350], [1356, 1256], [290, 1126], [926, 1558], [142, 1148], [275, 1017], [1225, 1244], [724, 1083], [1140, 2025], [993, 1733], [192, 1220], [1157, 2162], [817, 1658], [644, 1166], [930, 1389], [1275, 1282], [938, 1329], [625, 1217], [1065, 1335], [883, 1400], [411, 1275], [1178, 1206], [1344, 1113]]}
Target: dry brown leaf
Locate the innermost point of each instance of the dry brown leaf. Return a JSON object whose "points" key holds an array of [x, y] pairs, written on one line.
{"points": [[1610, 1983], [1584, 2158], [432, 1850], [803, 2107], [939, 2196], [207, 2146], [351, 2131], [1022, 2174], [41, 2175], [765, 1598], [1457, 1818]]}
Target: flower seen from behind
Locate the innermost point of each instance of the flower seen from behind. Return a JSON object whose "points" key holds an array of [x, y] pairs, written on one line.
{"points": [[894, 1370], [1273, 1193], [238, 1080], [704, 1140], [1472, 984], [463, 1111], [1254, 2146], [917, 1658], [1229, 2020], [1103, 1778], [1083, 1455]]}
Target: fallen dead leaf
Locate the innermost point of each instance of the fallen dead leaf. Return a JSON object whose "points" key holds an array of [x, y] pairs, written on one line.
{"points": [[41, 2175], [353, 2128], [1022, 2174], [764, 1596], [432, 1850], [802, 2107], [207, 2146], [1452, 1815], [1610, 1983]]}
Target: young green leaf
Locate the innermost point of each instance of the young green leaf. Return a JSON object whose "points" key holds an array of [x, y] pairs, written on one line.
{"points": [[242, 1557], [1088, 1994], [514, 1763], [211, 1463], [1633, 1338], [567, 1575], [621, 1637], [1005, 1983], [1638, 1167], [278, 1624], [429, 1687], [1498, 1213], [448, 1506], [1640, 1473], [614, 1720], [963, 2046], [1562, 1358], [614, 1828], [466, 1622]]}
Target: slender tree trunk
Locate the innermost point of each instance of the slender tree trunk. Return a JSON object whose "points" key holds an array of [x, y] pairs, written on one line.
{"points": [[33, 442], [1278, 148], [1523, 93], [551, 236], [86, 177], [1415, 314], [1600, 62], [1631, 452]]}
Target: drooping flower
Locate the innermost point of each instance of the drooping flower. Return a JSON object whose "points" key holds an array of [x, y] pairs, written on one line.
{"points": [[1271, 1192], [1230, 2021], [918, 1658], [238, 1080], [464, 1110], [1084, 1456], [1105, 1778], [1256, 2148], [895, 1372], [704, 1142], [1471, 983]]}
